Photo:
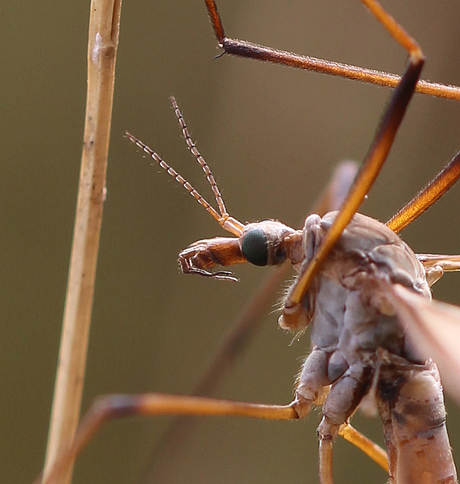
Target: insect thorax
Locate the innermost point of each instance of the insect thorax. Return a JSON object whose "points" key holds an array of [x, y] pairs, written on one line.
{"points": [[347, 303]]}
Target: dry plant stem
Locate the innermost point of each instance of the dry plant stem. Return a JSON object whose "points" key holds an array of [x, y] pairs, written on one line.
{"points": [[102, 47]]}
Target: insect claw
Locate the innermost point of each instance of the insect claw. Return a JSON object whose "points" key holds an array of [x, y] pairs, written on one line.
{"points": [[224, 276], [218, 56]]}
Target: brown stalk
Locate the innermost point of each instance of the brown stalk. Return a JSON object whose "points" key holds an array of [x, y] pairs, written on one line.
{"points": [[102, 48]]}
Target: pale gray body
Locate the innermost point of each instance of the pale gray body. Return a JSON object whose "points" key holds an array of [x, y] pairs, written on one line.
{"points": [[358, 343], [350, 316]]}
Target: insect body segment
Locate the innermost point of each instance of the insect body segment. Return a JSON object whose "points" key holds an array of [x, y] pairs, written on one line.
{"points": [[350, 315], [411, 405]]}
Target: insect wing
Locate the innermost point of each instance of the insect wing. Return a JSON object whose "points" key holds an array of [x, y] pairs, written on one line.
{"points": [[434, 329]]}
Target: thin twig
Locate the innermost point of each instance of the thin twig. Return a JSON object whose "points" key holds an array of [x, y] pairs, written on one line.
{"points": [[102, 47]]}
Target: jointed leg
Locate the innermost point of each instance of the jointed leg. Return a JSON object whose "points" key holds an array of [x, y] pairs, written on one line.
{"points": [[426, 197], [119, 406], [325, 459], [255, 51], [113, 407], [372, 450]]}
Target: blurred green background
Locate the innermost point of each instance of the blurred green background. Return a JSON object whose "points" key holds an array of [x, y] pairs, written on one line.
{"points": [[272, 136]]}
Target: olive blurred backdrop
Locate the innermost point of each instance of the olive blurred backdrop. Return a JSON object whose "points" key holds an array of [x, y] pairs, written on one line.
{"points": [[272, 136]]}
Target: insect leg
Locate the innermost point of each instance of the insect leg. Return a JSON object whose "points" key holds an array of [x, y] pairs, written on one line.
{"points": [[372, 450], [250, 50], [113, 407], [340, 404], [426, 197]]}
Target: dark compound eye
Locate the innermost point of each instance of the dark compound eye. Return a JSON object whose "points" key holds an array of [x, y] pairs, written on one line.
{"points": [[255, 247]]}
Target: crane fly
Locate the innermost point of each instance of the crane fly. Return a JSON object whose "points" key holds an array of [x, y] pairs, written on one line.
{"points": [[359, 287]]}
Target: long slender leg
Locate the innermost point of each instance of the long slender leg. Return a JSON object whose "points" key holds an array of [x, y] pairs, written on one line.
{"points": [[243, 331], [373, 162], [372, 450], [119, 406], [255, 51], [447, 263], [343, 399], [426, 197], [325, 460], [111, 407]]}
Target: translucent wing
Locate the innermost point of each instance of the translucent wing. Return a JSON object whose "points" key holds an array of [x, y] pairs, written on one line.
{"points": [[434, 328]]}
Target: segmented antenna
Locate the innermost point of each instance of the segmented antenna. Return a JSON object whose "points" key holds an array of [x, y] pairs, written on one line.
{"points": [[228, 223]]}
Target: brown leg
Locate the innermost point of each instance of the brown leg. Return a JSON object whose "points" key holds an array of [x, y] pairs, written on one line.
{"points": [[326, 439], [112, 407], [325, 460], [372, 450], [250, 50], [426, 197]]}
